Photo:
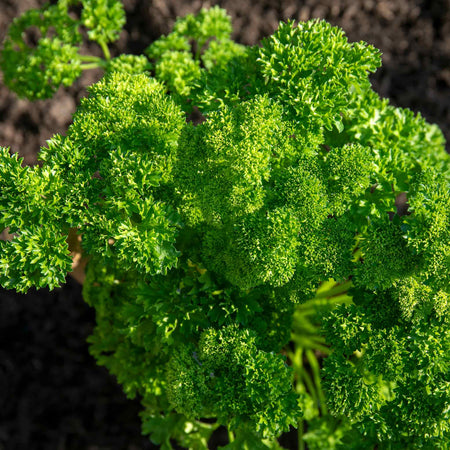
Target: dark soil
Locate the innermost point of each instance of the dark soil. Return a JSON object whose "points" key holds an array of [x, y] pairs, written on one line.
{"points": [[52, 394]]}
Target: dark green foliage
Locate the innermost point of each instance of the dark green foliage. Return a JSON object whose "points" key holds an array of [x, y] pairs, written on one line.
{"points": [[392, 375], [229, 377], [170, 350], [207, 231]]}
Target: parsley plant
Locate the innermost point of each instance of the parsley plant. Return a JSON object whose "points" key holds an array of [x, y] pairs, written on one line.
{"points": [[239, 210]]}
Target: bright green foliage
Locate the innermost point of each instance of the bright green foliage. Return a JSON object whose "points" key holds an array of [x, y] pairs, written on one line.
{"points": [[130, 64], [386, 256], [429, 234], [36, 66], [313, 70], [403, 142], [130, 129], [35, 70], [302, 187], [219, 53], [104, 19], [260, 248], [213, 23], [326, 252], [342, 164], [225, 162], [37, 256], [233, 80], [101, 178], [204, 38], [210, 233], [418, 301]]}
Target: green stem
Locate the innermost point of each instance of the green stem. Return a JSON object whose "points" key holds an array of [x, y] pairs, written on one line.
{"points": [[310, 342], [90, 66], [307, 340], [316, 375], [337, 289], [296, 359], [231, 436], [357, 254], [310, 385], [90, 58], [105, 50], [301, 442], [207, 426], [316, 346], [311, 307]]}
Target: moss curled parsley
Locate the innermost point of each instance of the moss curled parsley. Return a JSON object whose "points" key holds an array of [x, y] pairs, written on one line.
{"points": [[225, 195]]}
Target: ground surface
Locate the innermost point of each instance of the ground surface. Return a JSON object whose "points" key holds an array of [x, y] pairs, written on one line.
{"points": [[52, 394]]}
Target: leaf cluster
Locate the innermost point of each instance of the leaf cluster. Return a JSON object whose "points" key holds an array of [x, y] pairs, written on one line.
{"points": [[42, 48], [216, 187]]}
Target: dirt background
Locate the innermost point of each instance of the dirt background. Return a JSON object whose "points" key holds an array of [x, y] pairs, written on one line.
{"points": [[52, 394]]}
